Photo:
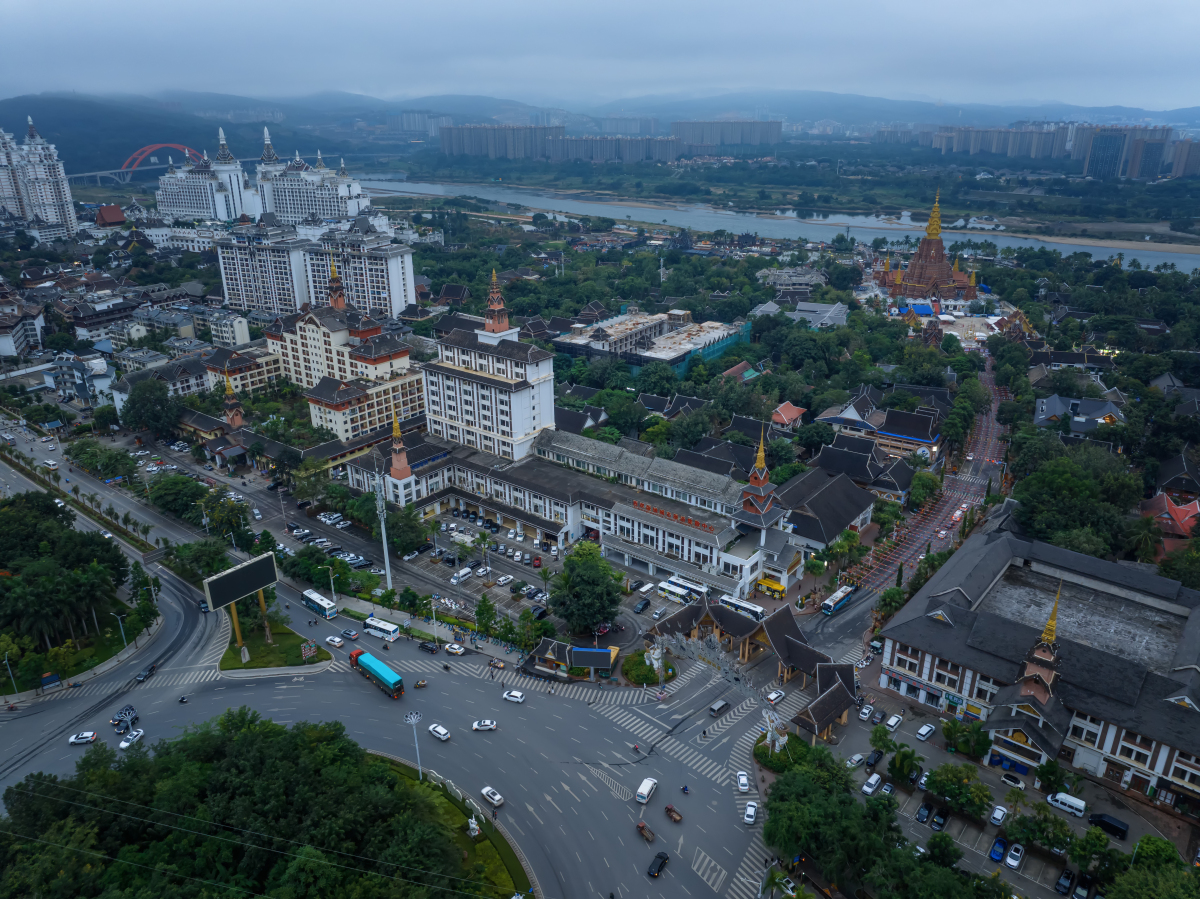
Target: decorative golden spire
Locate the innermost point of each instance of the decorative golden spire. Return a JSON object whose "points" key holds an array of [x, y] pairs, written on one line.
{"points": [[898, 275], [396, 429], [228, 383], [956, 263], [887, 263], [972, 277], [332, 270], [761, 461], [1051, 629], [934, 228]]}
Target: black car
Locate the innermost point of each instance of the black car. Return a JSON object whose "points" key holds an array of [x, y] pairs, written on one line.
{"points": [[656, 866], [454, 512], [874, 757], [1063, 885], [473, 564], [426, 646], [146, 673], [643, 605], [1084, 887], [515, 587], [636, 586], [449, 560], [916, 775], [204, 605], [303, 504], [940, 817], [877, 718], [539, 612], [129, 713], [335, 548], [363, 563], [272, 486], [292, 526], [424, 547], [924, 812]]}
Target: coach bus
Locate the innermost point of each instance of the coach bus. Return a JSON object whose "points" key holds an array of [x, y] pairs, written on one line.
{"points": [[695, 591], [838, 599], [749, 609], [385, 630], [319, 604], [667, 590], [377, 673]]}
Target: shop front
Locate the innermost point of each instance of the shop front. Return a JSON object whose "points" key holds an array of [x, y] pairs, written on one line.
{"points": [[906, 685]]}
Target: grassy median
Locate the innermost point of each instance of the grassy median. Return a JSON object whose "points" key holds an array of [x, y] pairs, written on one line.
{"points": [[285, 651]]}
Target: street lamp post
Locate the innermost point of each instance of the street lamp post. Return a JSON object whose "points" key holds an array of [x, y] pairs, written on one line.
{"points": [[381, 511], [10, 674], [332, 591], [121, 622], [414, 718]]}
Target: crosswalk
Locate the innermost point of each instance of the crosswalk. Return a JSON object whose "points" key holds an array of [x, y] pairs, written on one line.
{"points": [[162, 681], [708, 869], [746, 880]]}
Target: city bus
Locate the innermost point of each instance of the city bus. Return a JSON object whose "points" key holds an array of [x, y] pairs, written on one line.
{"points": [[377, 673], [319, 604], [694, 590], [838, 599], [749, 609], [385, 630], [667, 590]]}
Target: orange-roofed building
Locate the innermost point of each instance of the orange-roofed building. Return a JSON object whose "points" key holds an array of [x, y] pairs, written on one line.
{"points": [[109, 217], [1173, 520], [787, 415]]}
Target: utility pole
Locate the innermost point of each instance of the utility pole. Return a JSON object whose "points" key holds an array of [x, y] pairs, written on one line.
{"points": [[119, 622], [414, 718], [381, 511], [10, 675]]}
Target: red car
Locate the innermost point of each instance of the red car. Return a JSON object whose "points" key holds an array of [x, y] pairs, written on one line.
{"points": [[537, 561]]}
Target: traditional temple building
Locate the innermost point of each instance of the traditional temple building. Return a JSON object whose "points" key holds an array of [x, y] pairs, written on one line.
{"points": [[930, 275]]}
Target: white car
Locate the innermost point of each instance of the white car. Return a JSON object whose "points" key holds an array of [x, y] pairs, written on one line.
{"points": [[925, 732], [512, 535], [335, 641], [88, 736], [482, 571], [941, 535], [865, 714], [492, 797], [257, 514], [965, 506], [440, 732], [751, 813], [408, 557], [60, 504], [514, 695], [892, 723], [970, 457], [504, 579], [743, 780], [454, 649], [1011, 780], [520, 538], [999, 813], [132, 737], [106, 535], [342, 525], [1016, 852], [485, 724], [775, 696], [855, 760]]}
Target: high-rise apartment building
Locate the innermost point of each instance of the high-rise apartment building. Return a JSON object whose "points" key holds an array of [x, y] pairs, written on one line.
{"points": [[1106, 153], [1145, 158], [499, 141], [728, 133], [1186, 160], [270, 269], [487, 389], [33, 183]]}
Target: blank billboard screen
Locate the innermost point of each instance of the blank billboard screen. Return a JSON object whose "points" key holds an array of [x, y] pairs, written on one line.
{"points": [[241, 580]]}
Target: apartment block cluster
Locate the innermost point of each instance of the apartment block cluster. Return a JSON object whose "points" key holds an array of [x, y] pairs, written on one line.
{"points": [[1106, 151], [34, 194], [637, 141]]}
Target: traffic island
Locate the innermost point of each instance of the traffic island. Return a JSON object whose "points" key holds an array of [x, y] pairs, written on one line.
{"points": [[285, 652]]}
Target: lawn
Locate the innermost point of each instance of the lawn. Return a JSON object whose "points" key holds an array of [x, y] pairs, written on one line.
{"points": [[284, 651], [638, 670]]}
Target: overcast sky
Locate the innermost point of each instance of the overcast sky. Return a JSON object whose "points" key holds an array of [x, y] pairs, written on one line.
{"points": [[1087, 52]]}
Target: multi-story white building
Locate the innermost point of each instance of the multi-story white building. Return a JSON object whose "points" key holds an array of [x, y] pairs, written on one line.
{"points": [[487, 389], [183, 377], [248, 369], [33, 184], [271, 269], [296, 191], [356, 378], [377, 274], [228, 330], [216, 188]]}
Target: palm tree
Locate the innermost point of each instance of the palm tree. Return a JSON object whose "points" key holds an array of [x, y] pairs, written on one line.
{"points": [[56, 477], [1015, 800], [1142, 537], [904, 763], [75, 492], [145, 529], [111, 512], [126, 519], [954, 732]]}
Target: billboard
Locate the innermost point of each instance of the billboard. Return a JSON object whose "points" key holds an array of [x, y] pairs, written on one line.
{"points": [[241, 580]]}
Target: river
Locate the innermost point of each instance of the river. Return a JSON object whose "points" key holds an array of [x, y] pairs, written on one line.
{"points": [[702, 217]]}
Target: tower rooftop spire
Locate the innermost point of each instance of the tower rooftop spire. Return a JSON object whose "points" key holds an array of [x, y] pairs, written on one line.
{"points": [[1051, 629], [934, 228]]}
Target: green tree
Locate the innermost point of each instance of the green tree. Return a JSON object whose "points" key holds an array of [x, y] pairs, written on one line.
{"points": [[1085, 851], [953, 732], [588, 592], [1052, 776], [105, 417], [150, 406], [485, 615], [814, 435], [881, 739], [178, 495], [904, 763], [407, 529], [925, 486], [891, 600], [198, 453], [943, 850], [1167, 883]]}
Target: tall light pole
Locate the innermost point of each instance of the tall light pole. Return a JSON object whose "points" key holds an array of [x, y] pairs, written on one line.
{"points": [[414, 718], [332, 591], [122, 624], [381, 511], [13, 679]]}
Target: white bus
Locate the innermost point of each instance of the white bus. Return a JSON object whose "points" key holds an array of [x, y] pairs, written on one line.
{"points": [[667, 590], [838, 599], [697, 591], [749, 609], [319, 604], [51, 464], [385, 630]]}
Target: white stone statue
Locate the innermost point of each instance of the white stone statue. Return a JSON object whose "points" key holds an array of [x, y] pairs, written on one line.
{"points": [[473, 827]]}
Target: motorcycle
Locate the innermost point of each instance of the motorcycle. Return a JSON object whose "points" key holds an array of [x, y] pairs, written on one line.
{"points": [[420, 683], [685, 791], [445, 667], [183, 699]]}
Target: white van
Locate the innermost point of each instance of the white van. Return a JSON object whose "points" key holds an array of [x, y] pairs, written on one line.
{"points": [[646, 790], [1068, 803], [872, 785], [460, 576]]}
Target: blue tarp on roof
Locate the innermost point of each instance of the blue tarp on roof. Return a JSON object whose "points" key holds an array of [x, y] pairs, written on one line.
{"points": [[922, 309]]}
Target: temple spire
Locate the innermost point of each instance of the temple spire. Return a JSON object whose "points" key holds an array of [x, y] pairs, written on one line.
{"points": [[496, 315], [320, 162], [934, 228], [761, 460], [268, 153], [342, 169], [972, 282], [887, 263], [223, 154], [1051, 629]]}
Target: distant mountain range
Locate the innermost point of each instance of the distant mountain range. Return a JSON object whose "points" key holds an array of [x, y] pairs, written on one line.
{"points": [[98, 133]]}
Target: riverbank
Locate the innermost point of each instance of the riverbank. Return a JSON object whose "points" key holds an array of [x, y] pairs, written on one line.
{"points": [[703, 217]]}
